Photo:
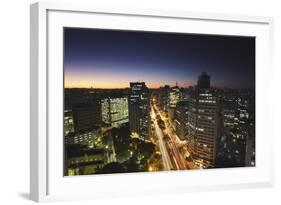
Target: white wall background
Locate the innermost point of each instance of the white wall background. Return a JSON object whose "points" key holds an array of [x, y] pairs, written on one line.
{"points": [[14, 101]]}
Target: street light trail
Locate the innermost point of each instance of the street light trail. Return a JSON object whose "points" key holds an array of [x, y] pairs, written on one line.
{"points": [[177, 157], [167, 165]]}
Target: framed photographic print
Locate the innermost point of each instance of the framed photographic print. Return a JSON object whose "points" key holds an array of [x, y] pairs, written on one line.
{"points": [[127, 102]]}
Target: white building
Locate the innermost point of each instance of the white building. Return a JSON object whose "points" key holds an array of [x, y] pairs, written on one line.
{"points": [[114, 111]]}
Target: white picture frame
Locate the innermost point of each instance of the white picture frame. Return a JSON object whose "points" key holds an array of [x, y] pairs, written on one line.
{"points": [[46, 178]]}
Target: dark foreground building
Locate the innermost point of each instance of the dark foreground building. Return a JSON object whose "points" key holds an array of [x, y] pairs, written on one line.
{"points": [[139, 110], [87, 115]]}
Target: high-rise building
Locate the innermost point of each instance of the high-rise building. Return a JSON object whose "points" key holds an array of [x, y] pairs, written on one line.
{"points": [[203, 81], [174, 97], [87, 115], [139, 110], [181, 119], [163, 97], [114, 110], [236, 147], [204, 123]]}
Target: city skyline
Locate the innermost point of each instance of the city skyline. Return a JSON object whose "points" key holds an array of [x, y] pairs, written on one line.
{"points": [[157, 101], [160, 130], [111, 59]]}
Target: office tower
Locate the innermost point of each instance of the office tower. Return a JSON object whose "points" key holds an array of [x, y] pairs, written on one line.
{"points": [[114, 110], [174, 97], [229, 110], [181, 119], [236, 146], [205, 123], [139, 110], [163, 96], [203, 81], [87, 115], [245, 129]]}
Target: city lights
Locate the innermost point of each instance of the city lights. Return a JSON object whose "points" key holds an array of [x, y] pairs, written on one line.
{"points": [[139, 102]]}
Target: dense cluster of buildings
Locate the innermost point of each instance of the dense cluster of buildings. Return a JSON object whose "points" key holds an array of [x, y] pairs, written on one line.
{"points": [[218, 125], [89, 117]]}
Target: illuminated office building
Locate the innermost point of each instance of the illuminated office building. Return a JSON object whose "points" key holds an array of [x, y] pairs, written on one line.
{"points": [[174, 97], [205, 123], [236, 146], [139, 110], [89, 137], [114, 111]]}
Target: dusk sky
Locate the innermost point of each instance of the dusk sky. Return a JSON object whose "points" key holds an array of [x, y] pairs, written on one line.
{"points": [[111, 59]]}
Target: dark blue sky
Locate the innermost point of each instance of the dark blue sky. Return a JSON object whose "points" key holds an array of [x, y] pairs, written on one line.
{"points": [[112, 58]]}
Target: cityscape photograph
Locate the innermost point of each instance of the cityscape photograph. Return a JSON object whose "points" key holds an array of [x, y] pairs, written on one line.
{"points": [[139, 101]]}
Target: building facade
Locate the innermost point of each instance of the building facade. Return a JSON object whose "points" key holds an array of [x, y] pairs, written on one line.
{"points": [[181, 119], [174, 97], [163, 97], [87, 115], [139, 110], [205, 123], [237, 144], [115, 111], [88, 137]]}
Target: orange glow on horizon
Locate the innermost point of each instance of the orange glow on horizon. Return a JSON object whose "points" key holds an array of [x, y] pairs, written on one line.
{"points": [[116, 82], [121, 85]]}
